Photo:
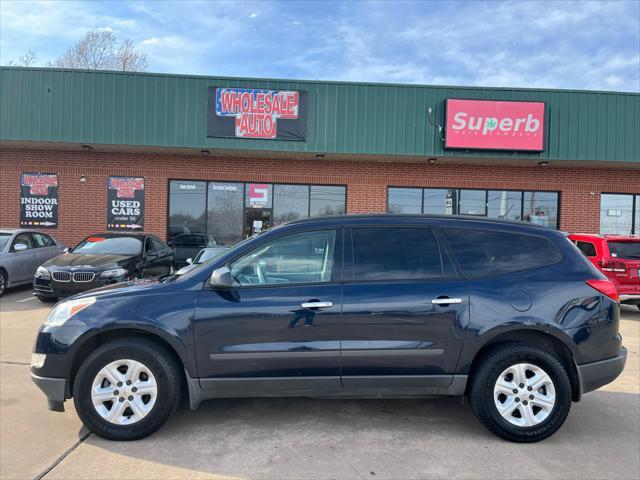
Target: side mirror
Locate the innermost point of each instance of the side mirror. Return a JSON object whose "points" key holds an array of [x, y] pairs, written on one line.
{"points": [[189, 261], [65, 250], [221, 278], [19, 247]]}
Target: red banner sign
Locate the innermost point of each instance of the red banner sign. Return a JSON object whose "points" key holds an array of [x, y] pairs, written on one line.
{"points": [[495, 125]]}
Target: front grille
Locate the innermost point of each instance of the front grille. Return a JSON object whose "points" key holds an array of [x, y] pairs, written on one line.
{"points": [[62, 276], [83, 276]]}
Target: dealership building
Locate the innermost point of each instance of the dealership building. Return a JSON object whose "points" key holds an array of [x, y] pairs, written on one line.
{"points": [[213, 159]]}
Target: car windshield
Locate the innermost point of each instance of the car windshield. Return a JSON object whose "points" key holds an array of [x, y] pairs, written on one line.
{"points": [[4, 238], [628, 250], [109, 245], [209, 254]]}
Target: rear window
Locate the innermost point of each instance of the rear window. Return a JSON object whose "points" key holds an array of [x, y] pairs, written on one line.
{"points": [[588, 248], [625, 250], [484, 253], [381, 253]]}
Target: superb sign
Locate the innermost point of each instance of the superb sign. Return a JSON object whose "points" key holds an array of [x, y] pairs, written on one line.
{"points": [[257, 113], [495, 125]]}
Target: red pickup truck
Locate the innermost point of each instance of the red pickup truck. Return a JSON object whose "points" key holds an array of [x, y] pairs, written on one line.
{"points": [[618, 257]]}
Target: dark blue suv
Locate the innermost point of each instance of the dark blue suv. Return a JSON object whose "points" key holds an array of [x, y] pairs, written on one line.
{"points": [[510, 314]]}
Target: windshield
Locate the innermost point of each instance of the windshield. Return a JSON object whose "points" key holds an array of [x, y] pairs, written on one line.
{"points": [[628, 250], [4, 238], [209, 254], [109, 246]]}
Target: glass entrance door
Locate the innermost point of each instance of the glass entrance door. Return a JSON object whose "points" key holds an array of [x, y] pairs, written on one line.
{"points": [[256, 220]]}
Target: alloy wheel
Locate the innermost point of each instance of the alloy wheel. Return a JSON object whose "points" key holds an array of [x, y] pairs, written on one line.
{"points": [[524, 395], [124, 392]]}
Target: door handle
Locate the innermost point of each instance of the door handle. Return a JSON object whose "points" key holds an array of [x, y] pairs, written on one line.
{"points": [[445, 301], [317, 305]]}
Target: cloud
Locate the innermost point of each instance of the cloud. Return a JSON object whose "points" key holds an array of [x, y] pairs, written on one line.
{"points": [[569, 44]]}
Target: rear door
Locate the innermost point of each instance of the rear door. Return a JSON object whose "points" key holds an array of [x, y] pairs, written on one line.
{"points": [[404, 310]]}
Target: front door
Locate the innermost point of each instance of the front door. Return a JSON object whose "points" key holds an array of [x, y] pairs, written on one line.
{"points": [[403, 320], [256, 221], [278, 327]]}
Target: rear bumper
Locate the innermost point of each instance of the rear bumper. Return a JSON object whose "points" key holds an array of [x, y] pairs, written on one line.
{"points": [[631, 298], [596, 374], [54, 389]]}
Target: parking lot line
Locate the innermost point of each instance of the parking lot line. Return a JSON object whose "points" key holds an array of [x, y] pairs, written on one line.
{"points": [[26, 299]]}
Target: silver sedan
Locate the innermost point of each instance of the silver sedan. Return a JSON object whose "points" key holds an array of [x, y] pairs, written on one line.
{"points": [[22, 252]]}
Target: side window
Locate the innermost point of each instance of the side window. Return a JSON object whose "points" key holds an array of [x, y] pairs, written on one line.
{"points": [[23, 238], [158, 245], [148, 245], [42, 240], [588, 248], [485, 253], [381, 253], [298, 258]]}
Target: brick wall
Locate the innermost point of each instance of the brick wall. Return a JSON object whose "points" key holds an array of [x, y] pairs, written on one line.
{"points": [[83, 205]]}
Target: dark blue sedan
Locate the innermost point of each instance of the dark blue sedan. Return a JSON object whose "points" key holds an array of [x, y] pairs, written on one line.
{"points": [[509, 314]]}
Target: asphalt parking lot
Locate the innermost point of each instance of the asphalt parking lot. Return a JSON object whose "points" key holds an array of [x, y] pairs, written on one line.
{"points": [[308, 438]]}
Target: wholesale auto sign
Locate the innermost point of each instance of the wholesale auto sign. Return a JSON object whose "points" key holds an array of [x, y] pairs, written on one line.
{"points": [[495, 125], [39, 200], [125, 203], [257, 113]]}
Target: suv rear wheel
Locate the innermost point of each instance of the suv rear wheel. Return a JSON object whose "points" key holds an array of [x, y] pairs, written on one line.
{"points": [[521, 393], [127, 389]]}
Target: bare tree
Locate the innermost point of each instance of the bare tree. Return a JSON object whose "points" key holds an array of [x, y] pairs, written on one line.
{"points": [[98, 50], [25, 60]]}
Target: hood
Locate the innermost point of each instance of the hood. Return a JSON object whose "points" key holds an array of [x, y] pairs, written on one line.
{"points": [[132, 287], [86, 260]]}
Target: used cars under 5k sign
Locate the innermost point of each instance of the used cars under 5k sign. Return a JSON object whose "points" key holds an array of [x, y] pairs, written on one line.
{"points": [[511, 315]]}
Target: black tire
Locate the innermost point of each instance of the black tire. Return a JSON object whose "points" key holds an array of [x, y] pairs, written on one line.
{"points": [[481, 392], [161, 364], [3, 281]]}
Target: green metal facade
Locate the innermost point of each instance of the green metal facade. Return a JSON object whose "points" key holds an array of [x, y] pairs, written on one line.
{"points": [[158, 110]]}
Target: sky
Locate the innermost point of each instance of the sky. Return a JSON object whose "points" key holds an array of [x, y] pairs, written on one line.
{"points": [[593, 45]]}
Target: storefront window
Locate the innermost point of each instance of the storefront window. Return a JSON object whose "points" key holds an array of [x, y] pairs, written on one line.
{"points": [[259, 195], [213, 213], [541, 208], [616, 213], [326, 201], [187, 207], [473, 202], [405, 200], [224, 213], [290, 202], [504, 204], [440, 201]]}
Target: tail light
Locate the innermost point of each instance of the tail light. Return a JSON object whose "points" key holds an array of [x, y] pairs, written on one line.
{"points": [[606, 288], [613, 266]]}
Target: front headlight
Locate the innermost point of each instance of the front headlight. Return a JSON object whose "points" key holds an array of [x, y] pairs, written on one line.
{"points": [[43, 273], [116, 272], [65, 310]]}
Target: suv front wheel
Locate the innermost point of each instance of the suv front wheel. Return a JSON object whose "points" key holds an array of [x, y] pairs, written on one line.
{"points": [[521, 393], [127, 389]]}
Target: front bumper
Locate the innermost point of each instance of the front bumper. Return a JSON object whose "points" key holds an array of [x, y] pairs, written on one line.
{"points": [[55, 390], [596, 374], [47, 288]]}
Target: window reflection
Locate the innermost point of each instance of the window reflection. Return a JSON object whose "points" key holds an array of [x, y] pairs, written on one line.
{"points": [[616, 214], [504, 204], [326, 200], [290, 202], [405, 200], [541, 208]]}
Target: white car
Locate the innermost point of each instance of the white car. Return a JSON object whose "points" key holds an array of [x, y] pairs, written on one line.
{"points": [[22, 252], [203, 256]]}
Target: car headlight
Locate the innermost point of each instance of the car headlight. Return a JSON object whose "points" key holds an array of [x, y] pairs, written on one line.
{"points": [[65, 310], [116, 272], [43, 273]]}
